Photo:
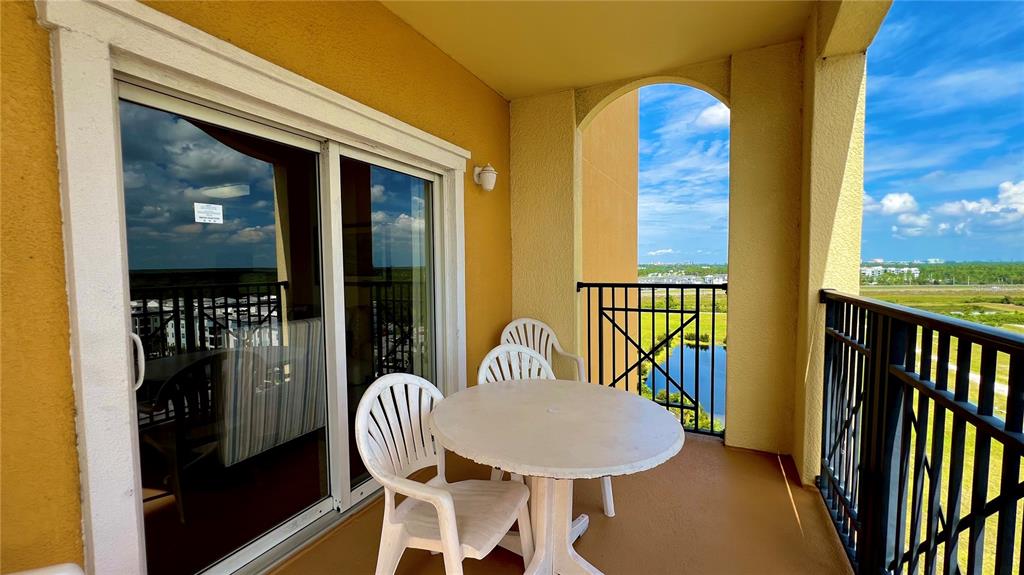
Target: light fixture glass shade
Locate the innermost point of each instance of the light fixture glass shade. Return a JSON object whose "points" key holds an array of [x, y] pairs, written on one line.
{"points": [[486, 177]]}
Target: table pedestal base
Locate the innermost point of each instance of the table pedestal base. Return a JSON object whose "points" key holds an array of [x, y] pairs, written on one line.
{"points": [[512, 542], [553, 530]]}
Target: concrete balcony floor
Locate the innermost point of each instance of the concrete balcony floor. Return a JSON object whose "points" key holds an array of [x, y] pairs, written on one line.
{"points": [[711, 509]]}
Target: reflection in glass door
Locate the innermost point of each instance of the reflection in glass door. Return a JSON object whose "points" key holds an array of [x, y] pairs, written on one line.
{"points": [[223, 242], [389, 280]]}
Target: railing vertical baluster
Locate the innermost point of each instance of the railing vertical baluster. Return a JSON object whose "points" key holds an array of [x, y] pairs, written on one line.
{"points": [[842, 353], [600, 335], [961, 391], [982, 452], [145, 329], [920, 441], [853, 385], [696, 356], [909, 362], [640, 373], [615, 338], [176, 318], [936, 459], [843, 385], [590, 345], [668, 352], [626, 343], [1008, 521], [227, 316], [681, 379], [654, 341], [201, 315], [713, 349]]}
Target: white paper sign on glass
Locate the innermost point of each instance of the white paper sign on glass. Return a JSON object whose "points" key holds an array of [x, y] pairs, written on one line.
{"points": [[209, 213]]}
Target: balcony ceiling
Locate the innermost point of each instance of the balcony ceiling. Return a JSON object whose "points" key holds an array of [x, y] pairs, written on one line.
{"points": [[527, 48]]}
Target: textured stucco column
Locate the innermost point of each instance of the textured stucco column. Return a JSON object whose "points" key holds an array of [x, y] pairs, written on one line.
{"points": [[834, 91], [545, 214], [764, 242]]}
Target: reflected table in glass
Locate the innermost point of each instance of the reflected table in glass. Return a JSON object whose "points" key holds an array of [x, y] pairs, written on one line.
{"points": [[554, 432]]}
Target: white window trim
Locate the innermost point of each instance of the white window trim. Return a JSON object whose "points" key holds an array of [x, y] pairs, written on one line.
{"points": [[91, 41]]}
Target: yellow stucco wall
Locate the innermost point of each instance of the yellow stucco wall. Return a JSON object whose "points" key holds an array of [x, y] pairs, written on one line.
{"points": [[764, 242], [544, 212], [832, 198], [609, 200], [713, 77], [39, 504], [358, 49]]}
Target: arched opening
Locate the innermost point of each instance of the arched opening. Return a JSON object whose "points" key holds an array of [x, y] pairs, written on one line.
{"points": [[654, 204]]}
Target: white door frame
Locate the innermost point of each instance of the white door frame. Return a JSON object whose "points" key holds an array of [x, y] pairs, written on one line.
{"points": [[91, 42]]}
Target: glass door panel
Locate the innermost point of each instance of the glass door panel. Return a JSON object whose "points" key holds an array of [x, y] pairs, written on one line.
{"points": [[225, 280], [389, 280]]}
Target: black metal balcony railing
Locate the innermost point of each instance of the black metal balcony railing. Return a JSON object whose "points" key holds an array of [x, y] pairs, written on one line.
{"points": [[184, 318], [400, 340], [919, 477], [661, 341]]}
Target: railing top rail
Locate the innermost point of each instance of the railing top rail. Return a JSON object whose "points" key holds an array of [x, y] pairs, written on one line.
{"points": [[581, 285], [974, 332]]}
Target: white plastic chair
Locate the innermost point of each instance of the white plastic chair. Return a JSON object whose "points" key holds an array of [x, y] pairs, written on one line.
{"points": [[511, 361], [539, 337], [461, 519]]}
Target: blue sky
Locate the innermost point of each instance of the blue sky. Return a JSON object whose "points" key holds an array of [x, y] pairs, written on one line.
{"points": [[684, 175], [944, 166]]}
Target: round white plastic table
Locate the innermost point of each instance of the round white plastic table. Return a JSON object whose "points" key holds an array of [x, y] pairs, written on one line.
{"points": [[555, 431]]}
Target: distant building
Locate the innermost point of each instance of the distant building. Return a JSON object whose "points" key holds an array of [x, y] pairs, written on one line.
{"points": [[875, 272]]}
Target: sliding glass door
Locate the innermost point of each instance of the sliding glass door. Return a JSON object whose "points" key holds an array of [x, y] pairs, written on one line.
{"points": [[245, 414], [223, 235], [389, 280]]}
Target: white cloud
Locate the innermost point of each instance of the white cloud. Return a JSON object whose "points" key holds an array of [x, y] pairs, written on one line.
{"points": [[377, 193], [871, 204], [409, 224], [714, 116], [702, 162], [188, 228], [915, 220], [1007, 208], [661, 252], [252, 235], [400, 227], [898, 203], [134, 179]]}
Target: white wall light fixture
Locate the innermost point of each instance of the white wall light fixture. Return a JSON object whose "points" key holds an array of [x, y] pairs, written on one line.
{"points": [[485, 176]]}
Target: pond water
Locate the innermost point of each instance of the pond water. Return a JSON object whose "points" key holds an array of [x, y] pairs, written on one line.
{"points": [[681, 366]]}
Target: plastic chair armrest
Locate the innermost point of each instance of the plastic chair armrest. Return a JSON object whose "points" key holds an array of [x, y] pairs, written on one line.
{"points": [[580, 370]]}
